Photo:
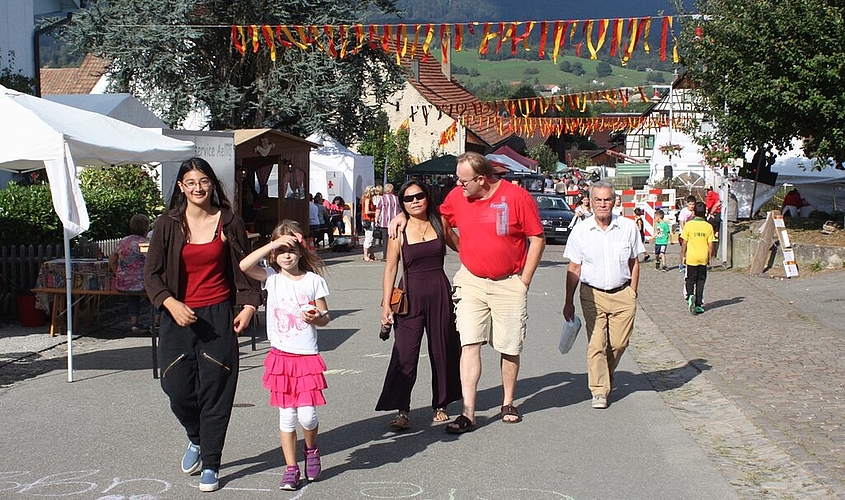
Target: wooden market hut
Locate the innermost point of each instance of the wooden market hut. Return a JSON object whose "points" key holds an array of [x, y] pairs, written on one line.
{"points": [[259, 153]]}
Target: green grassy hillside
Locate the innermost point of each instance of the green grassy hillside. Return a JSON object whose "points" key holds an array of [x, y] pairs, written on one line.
{"points": [[515, 72]]}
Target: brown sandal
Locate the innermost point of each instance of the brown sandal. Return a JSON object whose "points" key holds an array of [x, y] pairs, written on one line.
{"points": [[400, 422], [510, 411], [461, 425]]}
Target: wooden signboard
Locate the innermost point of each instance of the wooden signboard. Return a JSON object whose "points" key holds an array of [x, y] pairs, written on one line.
{"points": [[774, 226]]}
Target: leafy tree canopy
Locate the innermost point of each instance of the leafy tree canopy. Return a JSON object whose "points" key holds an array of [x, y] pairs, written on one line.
{"points": [[388, 149], [176, 54], [771, 71]]}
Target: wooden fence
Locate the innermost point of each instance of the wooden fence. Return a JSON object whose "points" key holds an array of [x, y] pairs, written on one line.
{"points": [[19, 266]]}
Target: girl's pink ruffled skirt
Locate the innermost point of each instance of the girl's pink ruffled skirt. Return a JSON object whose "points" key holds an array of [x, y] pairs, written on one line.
{"points": [[294, 380]]}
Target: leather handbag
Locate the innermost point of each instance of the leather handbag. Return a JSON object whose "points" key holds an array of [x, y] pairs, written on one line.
{"points": [[399, 296], [399, 300]]}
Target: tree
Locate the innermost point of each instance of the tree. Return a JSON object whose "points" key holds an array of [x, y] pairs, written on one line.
{"points": [[603, 69], [382, 144], [770, 71], [545, 155], [523, 91], [174, 55], [12, 79]]}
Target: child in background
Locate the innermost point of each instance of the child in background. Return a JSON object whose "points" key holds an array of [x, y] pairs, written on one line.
{"points": [[661, 240], [638, 214], [293, 368], [696, 249], [687, 213], [127, 264]]}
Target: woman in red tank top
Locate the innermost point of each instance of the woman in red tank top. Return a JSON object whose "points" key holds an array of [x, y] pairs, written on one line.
{"points": [[192, 276]]}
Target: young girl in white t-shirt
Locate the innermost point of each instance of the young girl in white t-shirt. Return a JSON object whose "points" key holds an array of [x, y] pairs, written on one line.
{"points": [[293, 368]]}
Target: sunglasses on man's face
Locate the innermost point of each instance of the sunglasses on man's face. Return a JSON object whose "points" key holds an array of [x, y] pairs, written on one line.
{"points": [[411, 197]]}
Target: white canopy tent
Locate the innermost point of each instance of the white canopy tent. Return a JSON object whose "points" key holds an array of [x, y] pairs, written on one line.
{"points": [[36, 133], [338, 171], [824, 189]]}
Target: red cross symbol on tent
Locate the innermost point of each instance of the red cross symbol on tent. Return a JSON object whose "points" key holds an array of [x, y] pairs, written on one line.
{"points": [[331, 184]]}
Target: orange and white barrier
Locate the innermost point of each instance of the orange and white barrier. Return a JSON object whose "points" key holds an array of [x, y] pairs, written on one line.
{"points": [[649, 200]]}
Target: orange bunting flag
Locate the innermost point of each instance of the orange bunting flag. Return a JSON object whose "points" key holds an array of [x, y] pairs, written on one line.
{"points": [[501, 37], [315, 37], [428, 36], [237, 34], [329, 31], [267, 31], [589, 36], [385, 39], [448, 135], [284, 43], [444, 42], [416, 39], [459, 37], [528, 29], [667, 21], [291, 39], [615, 37], [544, 32], [646, 33], [360, 36], [560, 30], [252, 31], [485, 39], [373, 36], [303, 37]]}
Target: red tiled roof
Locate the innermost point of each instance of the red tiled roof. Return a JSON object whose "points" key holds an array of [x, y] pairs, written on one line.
{"points": [[79, 80], [441, 92]]}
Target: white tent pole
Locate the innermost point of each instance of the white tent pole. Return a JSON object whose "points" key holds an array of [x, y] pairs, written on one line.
{"points": [[723, 229], [69, 310]]}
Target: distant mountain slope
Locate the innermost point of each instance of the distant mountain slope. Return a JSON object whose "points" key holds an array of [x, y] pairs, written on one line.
{"points": [[450, 11]]}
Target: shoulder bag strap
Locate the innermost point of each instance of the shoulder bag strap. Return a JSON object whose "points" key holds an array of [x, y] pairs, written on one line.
{"points": [[401, 237]]}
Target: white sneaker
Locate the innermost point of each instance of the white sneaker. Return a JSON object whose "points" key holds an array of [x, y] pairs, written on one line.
{"points": [[600, 402]]}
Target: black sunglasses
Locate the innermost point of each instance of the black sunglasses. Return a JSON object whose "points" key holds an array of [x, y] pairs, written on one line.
{"points": [[411, 197]]}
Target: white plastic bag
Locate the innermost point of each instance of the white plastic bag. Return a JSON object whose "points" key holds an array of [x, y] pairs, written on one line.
{"points": [[570, 333]]}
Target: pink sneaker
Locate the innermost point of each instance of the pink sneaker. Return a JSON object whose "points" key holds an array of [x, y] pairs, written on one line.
{"points": [[290, 481], [312, 463]]}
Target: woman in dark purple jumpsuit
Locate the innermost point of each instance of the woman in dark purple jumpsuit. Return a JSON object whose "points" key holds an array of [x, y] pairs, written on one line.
{"points": [[423, 245]]}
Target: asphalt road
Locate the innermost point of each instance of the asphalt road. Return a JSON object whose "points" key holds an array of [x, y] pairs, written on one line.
{"points": [[110, 433]]}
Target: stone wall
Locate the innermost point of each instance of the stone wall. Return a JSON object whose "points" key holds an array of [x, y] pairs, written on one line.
{"points": [[743, 248]]}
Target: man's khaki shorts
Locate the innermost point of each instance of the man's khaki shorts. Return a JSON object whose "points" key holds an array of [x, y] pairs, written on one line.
{"points": [[494, 311]]}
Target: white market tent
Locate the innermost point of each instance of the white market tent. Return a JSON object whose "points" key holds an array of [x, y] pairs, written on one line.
{"points": [[824, 189], [36, 133], [338, 171]]}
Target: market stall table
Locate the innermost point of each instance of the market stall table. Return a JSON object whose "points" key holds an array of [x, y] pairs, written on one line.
{"points": [[92, 279]]}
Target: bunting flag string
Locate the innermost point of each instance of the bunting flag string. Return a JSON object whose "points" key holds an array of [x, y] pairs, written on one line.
{"points": [[621, 37], [524, 107], [526, 126]]}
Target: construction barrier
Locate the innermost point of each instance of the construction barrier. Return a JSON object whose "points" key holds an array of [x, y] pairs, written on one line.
{"points": [[648, 200]]}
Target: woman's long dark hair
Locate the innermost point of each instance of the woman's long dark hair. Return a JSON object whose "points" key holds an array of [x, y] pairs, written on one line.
{"points": [[431, 211], [178, 201]]}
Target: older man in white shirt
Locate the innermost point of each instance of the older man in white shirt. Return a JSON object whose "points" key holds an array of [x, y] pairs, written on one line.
{"points": [[602, 253]]}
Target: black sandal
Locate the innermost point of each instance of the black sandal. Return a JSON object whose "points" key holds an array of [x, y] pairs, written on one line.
{"points": [[461, 425]]}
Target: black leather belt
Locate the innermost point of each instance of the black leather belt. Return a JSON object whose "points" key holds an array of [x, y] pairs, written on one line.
{"points": [[612, 290]]}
